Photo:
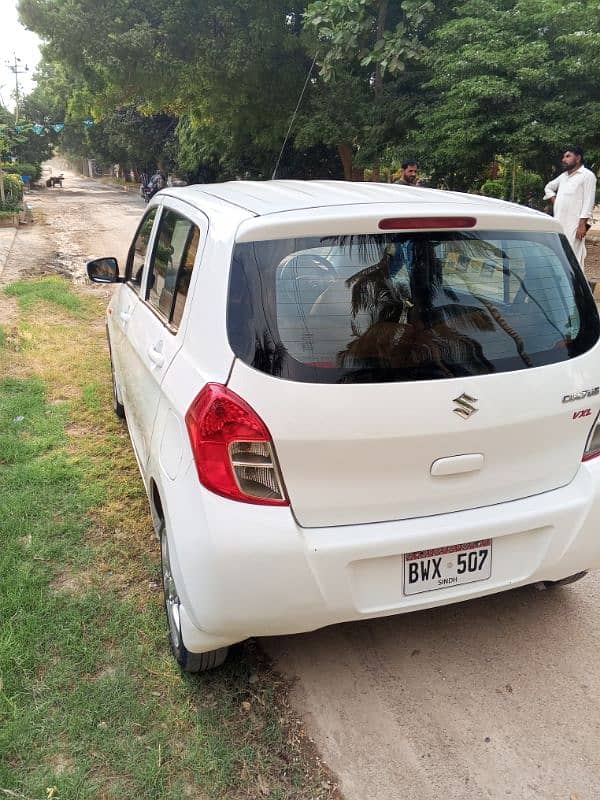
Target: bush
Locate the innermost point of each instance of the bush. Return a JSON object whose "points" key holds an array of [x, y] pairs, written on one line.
{"points": [[493, 188], [34, 171], [529, 188], [13, 189]]}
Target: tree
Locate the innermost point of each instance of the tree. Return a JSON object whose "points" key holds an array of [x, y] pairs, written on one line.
{"points": [[373, 50], [517, 78], [454, 85], [230, 70]]}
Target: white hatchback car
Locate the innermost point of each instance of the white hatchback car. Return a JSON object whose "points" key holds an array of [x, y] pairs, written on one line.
{"points": [[353, 400]]}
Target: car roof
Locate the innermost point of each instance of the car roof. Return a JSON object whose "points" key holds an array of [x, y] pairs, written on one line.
{"points": [[273, 197]]}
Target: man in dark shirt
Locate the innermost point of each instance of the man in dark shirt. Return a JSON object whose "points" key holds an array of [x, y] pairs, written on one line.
{"points": [[408, 174]]}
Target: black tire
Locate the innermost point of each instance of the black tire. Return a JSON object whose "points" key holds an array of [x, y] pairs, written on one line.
{"points": [[565, 581], [118, 407], [189, 662]]}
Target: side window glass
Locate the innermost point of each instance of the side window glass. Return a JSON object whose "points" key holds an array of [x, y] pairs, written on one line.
{"points": [[171, 266], [185, 274], [137, 253]]}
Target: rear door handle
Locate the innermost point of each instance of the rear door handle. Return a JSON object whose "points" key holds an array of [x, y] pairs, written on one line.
{"points": [[125, 315], [156, 356]]}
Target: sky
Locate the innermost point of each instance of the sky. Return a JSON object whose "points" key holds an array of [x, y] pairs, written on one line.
{"points": [[15, 40]]}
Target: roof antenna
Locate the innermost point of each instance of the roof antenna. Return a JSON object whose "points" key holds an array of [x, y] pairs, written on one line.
{"points": [[287, 136]]}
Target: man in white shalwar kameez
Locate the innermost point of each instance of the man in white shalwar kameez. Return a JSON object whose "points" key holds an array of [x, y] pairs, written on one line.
{"points": [[573, 195]]}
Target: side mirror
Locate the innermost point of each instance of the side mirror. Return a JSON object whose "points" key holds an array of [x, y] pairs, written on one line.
{"points": [[103, 270]]}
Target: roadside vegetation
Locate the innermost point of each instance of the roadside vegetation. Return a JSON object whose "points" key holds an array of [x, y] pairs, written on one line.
{"points": [[483, 94], [11, 195], [17, 145], [92, 704]]}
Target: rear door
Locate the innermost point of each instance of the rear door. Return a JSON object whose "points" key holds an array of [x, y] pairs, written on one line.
{"points": [[430, 377], [155, 331]]}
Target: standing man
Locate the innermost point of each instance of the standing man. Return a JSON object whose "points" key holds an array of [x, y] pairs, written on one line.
{"points": [[573, 195], [408, 174]]}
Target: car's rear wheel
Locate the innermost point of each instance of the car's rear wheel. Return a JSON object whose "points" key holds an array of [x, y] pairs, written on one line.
{"points": [[189, 662]]}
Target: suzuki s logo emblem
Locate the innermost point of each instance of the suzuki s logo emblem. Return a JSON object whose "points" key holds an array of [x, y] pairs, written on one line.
{"points": [[465, 405]]}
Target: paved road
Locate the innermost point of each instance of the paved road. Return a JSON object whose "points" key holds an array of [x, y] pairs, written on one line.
{"points": [[497, 698]]}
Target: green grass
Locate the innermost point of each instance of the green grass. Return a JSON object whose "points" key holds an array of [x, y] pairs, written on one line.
{"points": [[50, 290], [92, 704]]}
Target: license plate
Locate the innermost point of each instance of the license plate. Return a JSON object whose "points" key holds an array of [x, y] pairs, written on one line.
{"points": [[441, 567]]}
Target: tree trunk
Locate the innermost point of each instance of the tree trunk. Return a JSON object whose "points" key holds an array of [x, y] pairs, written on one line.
{"points": [[381, 20], [378, 80], [345, 153], [513, 181]]}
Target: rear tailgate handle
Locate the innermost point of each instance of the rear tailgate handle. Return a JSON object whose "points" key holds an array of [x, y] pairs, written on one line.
{"points": [[156, 356], [125, 315], [457, 465]]}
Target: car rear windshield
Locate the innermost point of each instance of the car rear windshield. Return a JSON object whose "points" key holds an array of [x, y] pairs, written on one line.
{"points": [[408, 306]]}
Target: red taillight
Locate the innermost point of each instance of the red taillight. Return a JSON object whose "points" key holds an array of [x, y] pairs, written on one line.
{"points": [[592, 446], [232, 448], [426, 223]]}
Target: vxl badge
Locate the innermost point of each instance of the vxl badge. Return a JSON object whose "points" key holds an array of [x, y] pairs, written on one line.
{"points": [[465, 407]]}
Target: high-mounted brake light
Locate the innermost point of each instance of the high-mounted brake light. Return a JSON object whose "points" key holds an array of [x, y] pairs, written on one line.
{"points": [[232, 448], [426, 223], [592, 447]]}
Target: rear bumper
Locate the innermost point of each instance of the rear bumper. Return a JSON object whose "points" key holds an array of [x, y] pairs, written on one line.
{"points": [[252, 571]]}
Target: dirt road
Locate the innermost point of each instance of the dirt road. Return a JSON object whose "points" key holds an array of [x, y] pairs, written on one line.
{"points": [[82, 220], [498, 698]]}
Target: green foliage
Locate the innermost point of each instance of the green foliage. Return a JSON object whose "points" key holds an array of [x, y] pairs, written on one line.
{"points": [[30, 148], [128, 137], [515, 183], [49, 290], [375, 34], [493, 188], [13, 195], [516, 78], [234, 71], [208, 89], [7, 133], [13, 188], [34, 171], [23, 144], [529, 188], [373, 50]]}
